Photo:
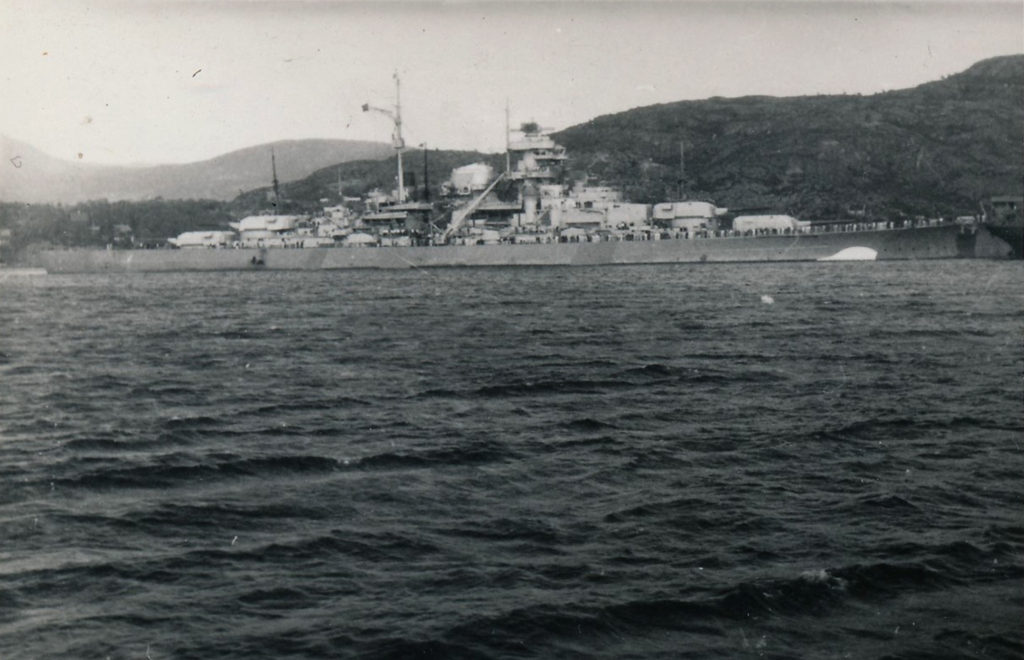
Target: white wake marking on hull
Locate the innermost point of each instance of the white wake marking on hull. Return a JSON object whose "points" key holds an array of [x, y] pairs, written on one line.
{"points": [[853, 254]]}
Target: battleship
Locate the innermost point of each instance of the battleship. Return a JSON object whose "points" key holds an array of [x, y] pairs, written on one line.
{"points": [[527, 215]]}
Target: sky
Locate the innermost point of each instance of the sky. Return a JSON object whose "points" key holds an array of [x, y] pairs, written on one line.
{"points": [[171, 81]]}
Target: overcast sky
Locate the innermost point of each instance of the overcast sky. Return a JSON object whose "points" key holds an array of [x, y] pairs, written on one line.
{"points": [[161, 81]]}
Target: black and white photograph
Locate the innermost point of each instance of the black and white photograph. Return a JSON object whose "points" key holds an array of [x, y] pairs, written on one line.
{"points": [[481, 329]]}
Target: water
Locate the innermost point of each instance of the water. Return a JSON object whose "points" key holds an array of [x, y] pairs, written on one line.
{"points": [[799, 460]]}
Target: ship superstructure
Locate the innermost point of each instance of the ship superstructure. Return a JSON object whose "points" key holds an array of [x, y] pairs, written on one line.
{"points": [[541, 206]]}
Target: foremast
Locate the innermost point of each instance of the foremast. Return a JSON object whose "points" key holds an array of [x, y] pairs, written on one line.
{"points": [[396, 135]]}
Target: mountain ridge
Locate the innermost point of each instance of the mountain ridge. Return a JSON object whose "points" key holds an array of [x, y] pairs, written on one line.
{"points": [[36, 177]]}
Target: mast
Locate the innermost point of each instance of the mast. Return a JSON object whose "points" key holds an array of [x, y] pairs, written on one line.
{"points": [[399, 144], [396, 135], [508, 143], [426, 175], [277, 191], [682, 171]]}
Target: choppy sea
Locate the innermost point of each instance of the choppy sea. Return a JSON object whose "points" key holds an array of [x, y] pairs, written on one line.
{"points": [[695, 461]]}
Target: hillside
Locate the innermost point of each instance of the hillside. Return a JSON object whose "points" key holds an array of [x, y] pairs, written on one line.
{"points": [[40, 178], [936, 148]]}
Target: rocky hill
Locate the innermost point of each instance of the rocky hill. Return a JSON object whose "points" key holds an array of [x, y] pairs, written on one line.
{"points": [[937, 148], [32, 176]]}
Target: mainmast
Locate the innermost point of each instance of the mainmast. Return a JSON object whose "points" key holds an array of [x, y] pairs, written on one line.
{"points": [[277, 190], [682, 171], [508, 142]]}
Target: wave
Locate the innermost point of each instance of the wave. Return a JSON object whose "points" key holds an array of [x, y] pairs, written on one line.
{"points": [[659, 509], [470, 454], [704, 374], [232, 334], [284, 597], [190, 423], [100, 383], [110, 442], [176, 470], [164, 390], [654, 369], [986, 646], [640, 377], [633, 378], [587, 424], [812, 594], [888, 502], [525, 388], [311, 405], [334, 545], [174, 519], [886, 579], [895, 428], [714, 615], [930, 333], [1005, 533], [554, 386], [959, 561], [402, 648], [522, 530], [169, 566]]}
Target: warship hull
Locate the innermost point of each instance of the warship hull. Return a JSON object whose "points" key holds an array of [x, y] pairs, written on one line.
{"points": [[934, 242], [1010, 232]]}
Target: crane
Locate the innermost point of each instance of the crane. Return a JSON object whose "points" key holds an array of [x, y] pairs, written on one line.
{"points": [[460, 214], [396, 135]]}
